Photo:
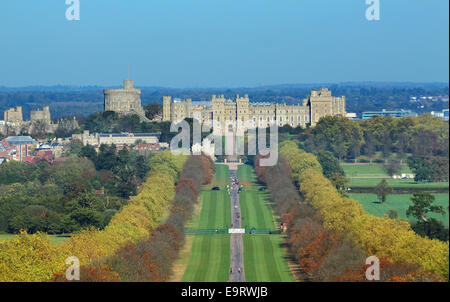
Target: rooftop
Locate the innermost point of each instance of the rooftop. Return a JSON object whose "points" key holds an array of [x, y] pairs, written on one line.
{"points": [[20, 140], [157, 134]]}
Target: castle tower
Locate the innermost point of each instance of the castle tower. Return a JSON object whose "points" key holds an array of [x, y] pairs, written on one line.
{"points": [[189, 108], [124, 101], [167, 101], [242, 110], [41, 115], [13, 115], [322, 103]]}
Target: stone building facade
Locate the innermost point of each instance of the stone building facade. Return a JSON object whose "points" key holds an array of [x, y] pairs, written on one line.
{"points": [[13, 115], [124, 101], [96, 139], [309, 111], [41, 115]]}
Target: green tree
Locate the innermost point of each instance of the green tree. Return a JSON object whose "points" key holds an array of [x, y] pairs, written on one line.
{"points": [[432, 229], [329, 163], [383, 190], [107, 157], [356, 143], [370, 145], [392, 167], [422, 206], [387, 146], [85, 217], [142, 167], [16, 172], [421, 167], [89, 152], [392, 214], [339, 181]]}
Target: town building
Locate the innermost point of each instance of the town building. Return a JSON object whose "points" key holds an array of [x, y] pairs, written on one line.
{"points": [[240, 110], [97, 139], [394, 113], [147, 149], [20, 147], [352, 116], [441, 114]]}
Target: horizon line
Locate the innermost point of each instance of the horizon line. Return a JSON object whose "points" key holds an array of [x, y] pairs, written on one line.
{"points": [[231, 87]]}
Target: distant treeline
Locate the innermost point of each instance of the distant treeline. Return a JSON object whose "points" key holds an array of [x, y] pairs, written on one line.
{"points": [[66, 101]]}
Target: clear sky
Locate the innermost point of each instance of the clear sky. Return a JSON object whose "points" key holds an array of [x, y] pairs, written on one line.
{"points": [[219, 43]]}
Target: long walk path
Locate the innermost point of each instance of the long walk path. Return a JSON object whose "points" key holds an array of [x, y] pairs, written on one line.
{"points": [[236, 243]]}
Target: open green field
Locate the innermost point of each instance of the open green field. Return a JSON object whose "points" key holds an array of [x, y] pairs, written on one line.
{"points": [[264, 256], [401, 183], [54, 239], [365, 175], [265, 259], [209, 258], [221, 177], [255, 211], [400, 203], [245, 174], [216, 210]]}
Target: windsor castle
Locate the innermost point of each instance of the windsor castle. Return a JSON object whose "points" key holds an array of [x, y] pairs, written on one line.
{"points": [[222, 111], [318, 104]]}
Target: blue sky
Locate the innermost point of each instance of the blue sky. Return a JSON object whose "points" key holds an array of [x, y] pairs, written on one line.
{"points": [[219, 43]]}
